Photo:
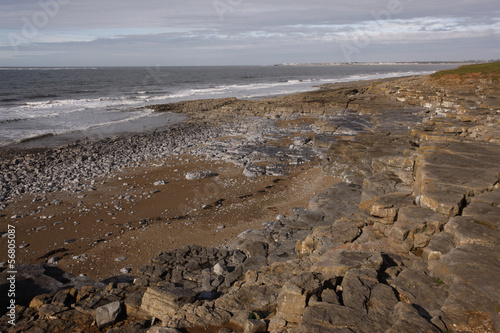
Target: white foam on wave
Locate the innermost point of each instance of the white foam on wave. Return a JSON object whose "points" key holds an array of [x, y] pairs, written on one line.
{"points": [[236, 90], [13, 136], [375, 76]]}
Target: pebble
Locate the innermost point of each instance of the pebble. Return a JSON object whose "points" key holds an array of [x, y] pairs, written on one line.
{"points": [[220, 269], [120, 259], [41, 172], [81, 257], [200, 175], [53, 260]]}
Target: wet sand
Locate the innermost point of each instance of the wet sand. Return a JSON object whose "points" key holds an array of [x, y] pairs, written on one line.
{"points": [[127, 220]]}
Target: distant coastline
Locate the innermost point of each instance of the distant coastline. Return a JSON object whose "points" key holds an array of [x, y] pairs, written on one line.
{"points": [[381, 63]]}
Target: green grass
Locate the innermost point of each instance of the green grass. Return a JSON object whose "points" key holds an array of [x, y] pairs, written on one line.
{"points": [[491, 68], [438, 280]]}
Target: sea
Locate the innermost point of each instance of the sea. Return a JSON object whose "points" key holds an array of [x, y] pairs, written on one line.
{"points": [[55, 106]]}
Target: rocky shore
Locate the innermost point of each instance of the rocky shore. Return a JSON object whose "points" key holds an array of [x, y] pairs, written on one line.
{"points": [[408, 241]]}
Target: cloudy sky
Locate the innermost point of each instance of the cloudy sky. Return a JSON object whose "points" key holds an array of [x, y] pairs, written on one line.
{"points": [[244, 32]]}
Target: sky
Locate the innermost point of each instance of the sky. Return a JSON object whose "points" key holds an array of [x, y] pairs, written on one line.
{"points": [[245, 32]]}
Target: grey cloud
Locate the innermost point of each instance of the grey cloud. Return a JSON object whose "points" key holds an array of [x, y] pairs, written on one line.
{"points": [[239, 31]]}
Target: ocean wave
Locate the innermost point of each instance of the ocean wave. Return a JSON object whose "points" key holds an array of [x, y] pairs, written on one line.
{"points": [[375, 76], [18, 117], [38, 96], [10, 137], [100, 102], [45, 68]]}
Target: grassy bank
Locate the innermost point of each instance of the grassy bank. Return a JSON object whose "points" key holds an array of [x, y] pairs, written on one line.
{"points": [[491, 68]]}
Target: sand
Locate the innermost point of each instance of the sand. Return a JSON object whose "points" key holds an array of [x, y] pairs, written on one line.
{"points": [[127, 219]]}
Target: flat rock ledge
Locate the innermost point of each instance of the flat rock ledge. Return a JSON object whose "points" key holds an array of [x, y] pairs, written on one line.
{"points": [[409, 241]]}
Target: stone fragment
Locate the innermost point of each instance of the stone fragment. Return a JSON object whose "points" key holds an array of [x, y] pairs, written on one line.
{"points": [[65, 297], [250, 298], [157, 329], [336, 263], [200, 175], [108, 314], [50, 310], [330, 296], [485, 212], [277, 324], [276, 170], [253, 249], [255, 326], [472, 289], [292, 302], [163, 302], [254, 171], [125, 270], [356, 287], [379, 185], [220, 269], [439, 245], [469, 230], [386, 207], [443, 169], [407, 319], [326, 237], [40, 300], [53, 260], [133, 305], [426, 293], [382, 300]]}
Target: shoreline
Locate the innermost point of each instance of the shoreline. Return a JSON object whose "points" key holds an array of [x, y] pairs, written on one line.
{"points": [[256, 132], [254, 88], [102, 189], [391, 242]]}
